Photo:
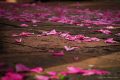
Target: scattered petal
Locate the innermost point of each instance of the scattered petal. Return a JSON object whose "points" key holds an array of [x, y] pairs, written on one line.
{"points": [[61, 53], [69, 49], [37, 70], [110, 40], [21, 68], [12, 76], [15, 35], [25, 34], [18, 40], [24, 25], [40, 77], [52, 73], [91, 39], [109, 27], [52, 32], [104, 31], [74, 70], [118, 34]]}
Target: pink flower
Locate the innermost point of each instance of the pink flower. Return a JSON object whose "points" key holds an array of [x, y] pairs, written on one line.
{"points": [[21, 68], [69, 49], [24, 25], [37, 70], [18, 40], [110, 40], [61, 53], [12, 76], [40, 77]]}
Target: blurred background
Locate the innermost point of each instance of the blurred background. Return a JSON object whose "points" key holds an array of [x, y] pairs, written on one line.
{"points": [[23, 1]]}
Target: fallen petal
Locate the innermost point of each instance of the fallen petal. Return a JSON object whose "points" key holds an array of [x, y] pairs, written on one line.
{"points": [[69, 49], [52, 73], [18, 40], [61, 53], [40, 77], [110, 40], [21, 68], [24, 25], [37, 70]]}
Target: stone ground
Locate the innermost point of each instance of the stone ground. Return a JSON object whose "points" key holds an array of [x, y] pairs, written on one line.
{"points": [[33, 51]]}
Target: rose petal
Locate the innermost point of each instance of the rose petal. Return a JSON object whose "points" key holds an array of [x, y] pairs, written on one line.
{"points": [[69, 49], [61, 53], [40, 77], [37, 70], [21, 68]]}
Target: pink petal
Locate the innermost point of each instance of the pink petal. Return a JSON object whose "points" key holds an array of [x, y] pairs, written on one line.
{"points": [[69, 49], [12, 76], [110, 40], [24, 25], [71, 38], [52, 32], [101, 72], [52, 73], [40, 77], [21, 68], [34, 21], [25, 34], [64, 73], [91, 39], [104, 31], [15, 35], [74, 70], [18, 40], [61, 53], [80, 37], [95, 72], [37, 70], [109, 27], [39, 35], [54, 77], [118, 34], [64, 34], [88, 73]]}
